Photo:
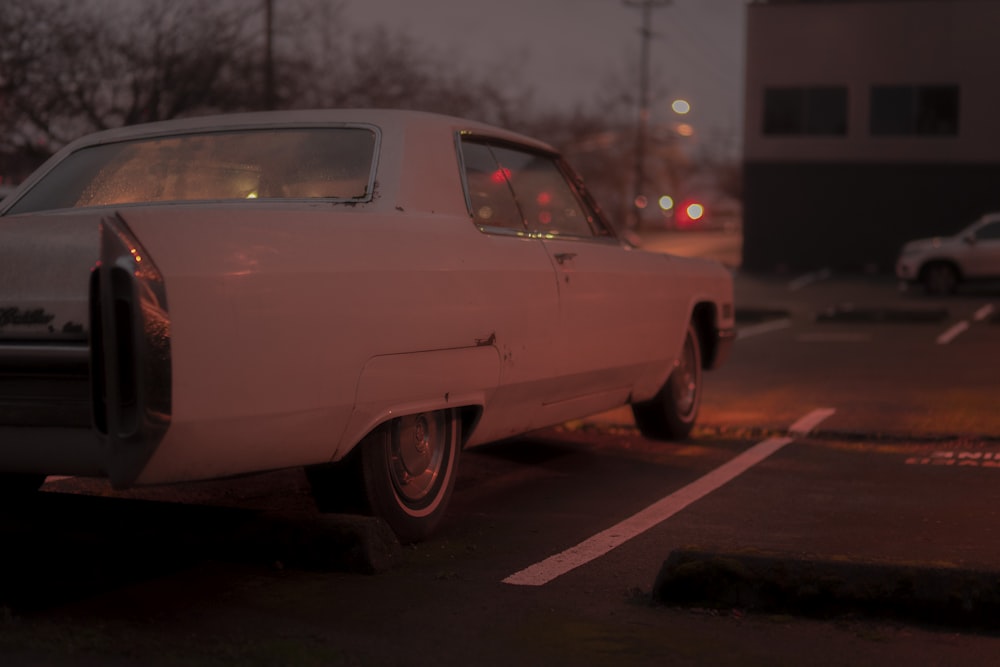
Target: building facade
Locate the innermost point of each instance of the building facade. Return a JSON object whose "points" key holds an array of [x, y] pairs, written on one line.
{"points": [[867, 124]]}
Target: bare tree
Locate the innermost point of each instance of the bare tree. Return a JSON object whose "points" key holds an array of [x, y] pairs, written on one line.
{"points": [[380, 68], [67, 68]]}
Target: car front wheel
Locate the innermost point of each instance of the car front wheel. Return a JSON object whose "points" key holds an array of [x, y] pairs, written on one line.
{"points": [[671, 414], [403, 472], [940, 278]]}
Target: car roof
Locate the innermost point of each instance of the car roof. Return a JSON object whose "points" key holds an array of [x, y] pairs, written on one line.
{"points": [[403, 120]]}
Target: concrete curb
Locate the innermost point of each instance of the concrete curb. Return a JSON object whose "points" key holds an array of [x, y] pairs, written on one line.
{"points": [[932, 593]]}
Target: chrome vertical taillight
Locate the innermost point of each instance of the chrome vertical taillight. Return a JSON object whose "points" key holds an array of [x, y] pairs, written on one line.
{"points": [[130, 344]]}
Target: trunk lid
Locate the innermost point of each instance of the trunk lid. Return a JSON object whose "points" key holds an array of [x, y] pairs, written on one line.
{"points": [[45, 264]]}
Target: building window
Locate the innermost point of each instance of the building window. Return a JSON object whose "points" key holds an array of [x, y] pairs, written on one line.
{"points": [[909, 110], [815, 110]]}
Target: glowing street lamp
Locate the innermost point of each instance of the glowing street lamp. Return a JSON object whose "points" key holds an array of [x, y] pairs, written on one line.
{"points": [[681, 107]]}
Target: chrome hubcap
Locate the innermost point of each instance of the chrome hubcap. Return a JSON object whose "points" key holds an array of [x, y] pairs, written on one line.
{"points": [[418, 445]]}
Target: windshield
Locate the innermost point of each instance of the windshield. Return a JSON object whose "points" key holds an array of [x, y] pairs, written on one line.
{"points": [[329, 163]]}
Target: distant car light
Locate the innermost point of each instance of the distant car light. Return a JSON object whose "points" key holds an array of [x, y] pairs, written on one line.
{"points": [[689, 213]]}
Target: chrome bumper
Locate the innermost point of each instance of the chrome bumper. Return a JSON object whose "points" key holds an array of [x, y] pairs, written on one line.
{"points": [[44, 385]]}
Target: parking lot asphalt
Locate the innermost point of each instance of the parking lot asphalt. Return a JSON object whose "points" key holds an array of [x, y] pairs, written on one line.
{"points": [[842, 570], [932, 586], [845, 569]]}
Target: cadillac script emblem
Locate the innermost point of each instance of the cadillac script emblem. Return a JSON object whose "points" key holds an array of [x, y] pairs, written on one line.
{"points": [[20, 317]]}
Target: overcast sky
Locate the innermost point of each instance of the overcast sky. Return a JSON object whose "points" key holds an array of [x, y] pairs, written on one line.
{"points": [[570, 48]]}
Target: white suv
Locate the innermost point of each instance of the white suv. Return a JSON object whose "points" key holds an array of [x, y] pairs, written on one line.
{"points": [[941, 263]]}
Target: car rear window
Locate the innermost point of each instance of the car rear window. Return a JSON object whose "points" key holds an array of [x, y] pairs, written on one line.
{"points": [[301, 163]]}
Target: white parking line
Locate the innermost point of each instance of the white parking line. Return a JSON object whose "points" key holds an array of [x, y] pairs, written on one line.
{"points": [[806, 424], [762, 328], [809, 279], [953, 332], [555, 566], [984, 312]]}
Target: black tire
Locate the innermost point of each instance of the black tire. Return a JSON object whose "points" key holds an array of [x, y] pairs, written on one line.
{"points": [[13, 485], [940, 278], [403, 472], [671, 414]]}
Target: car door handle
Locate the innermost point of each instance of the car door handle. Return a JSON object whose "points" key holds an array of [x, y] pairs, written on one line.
{"points": [[563, 257]]}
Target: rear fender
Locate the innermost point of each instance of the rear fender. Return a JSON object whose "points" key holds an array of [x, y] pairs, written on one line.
{"points": [[394, 385]]}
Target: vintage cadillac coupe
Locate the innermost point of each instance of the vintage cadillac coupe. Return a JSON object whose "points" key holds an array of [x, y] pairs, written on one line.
{"points": [[362, 293]]}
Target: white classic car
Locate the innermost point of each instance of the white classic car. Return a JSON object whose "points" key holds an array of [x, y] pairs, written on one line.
{"points": [[944, 262], [363, 293]]}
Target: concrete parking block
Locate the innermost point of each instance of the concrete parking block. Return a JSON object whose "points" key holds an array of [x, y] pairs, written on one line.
{"points": [[774, 582]]}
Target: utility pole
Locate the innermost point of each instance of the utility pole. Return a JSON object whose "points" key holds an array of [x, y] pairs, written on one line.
{"points": [[642, 125], [269, 96]]}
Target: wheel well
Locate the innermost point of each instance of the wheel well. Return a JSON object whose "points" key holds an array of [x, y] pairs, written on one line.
{"points": [[705, 321], [468, 417], [939, 262]]}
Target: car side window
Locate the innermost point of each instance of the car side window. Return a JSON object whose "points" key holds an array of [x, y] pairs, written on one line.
{"points": [[990, 232], [527, 191], [490, 198], [549, 204]]}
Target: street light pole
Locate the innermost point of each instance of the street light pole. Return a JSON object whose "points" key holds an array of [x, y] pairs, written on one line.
{"points": [[642, 125]]}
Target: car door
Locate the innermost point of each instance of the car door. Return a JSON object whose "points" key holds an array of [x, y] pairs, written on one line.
{"points": [[526, 330], [984, 252], [619, 319]]}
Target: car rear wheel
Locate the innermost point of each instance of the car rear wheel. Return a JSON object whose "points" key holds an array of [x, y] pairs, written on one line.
{"points": [[403, 472], [940, 278], [671, 414]]}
